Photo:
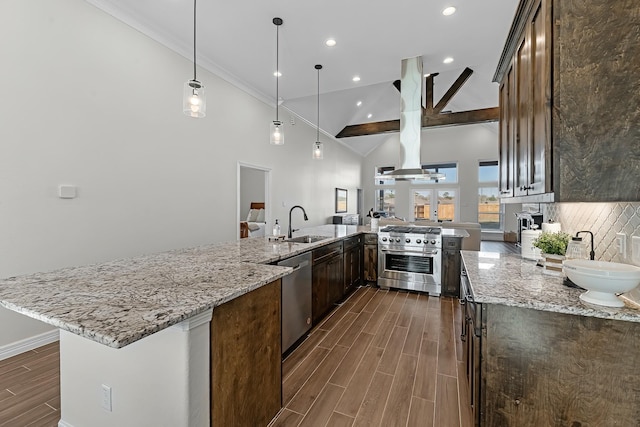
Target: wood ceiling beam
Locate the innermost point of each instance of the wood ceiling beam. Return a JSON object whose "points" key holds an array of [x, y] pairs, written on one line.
{"points": [[429, 93], [455, 87], [428, 121]]}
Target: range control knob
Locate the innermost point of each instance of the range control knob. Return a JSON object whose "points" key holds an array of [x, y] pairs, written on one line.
{"points": [[408, 240], [433, 242], [384, 239], [398, 239], [418, 241]]}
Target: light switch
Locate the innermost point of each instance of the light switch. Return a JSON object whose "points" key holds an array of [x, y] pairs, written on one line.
{"points": [[67, 191]]}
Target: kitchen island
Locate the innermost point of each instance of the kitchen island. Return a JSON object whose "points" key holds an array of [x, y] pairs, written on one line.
{"points": [[136, 334], [537, 355]]}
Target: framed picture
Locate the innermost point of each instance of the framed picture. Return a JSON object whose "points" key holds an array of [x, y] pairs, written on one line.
{"points": [[341, 200]]}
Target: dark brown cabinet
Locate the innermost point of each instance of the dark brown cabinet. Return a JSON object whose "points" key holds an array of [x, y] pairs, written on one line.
{"points": [[327, 279], [451, 262], [507, 135], [370, 258], [524, 94], [352, 262], [568, 122], [246, 381]]}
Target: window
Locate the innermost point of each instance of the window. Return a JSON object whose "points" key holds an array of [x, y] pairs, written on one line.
{"points": [[383, 171], [490, 211], [386, 201], [385, 194], [445, 204], [450, 171]]}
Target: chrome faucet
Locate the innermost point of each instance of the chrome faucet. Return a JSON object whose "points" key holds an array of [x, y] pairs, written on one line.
{"points": [[592, 254], [291, 230]]}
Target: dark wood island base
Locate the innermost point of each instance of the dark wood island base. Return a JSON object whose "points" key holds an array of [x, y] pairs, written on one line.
{"points": [[246, 360], [542, 368]]}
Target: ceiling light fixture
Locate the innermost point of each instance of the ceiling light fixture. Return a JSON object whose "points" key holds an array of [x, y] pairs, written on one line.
{"points": [[448, 60], [194, 103], [318, 149], [277, 74], [276, 131], [449, 11], [359, 103], [330, 42], [369, 115], [356, 78]]}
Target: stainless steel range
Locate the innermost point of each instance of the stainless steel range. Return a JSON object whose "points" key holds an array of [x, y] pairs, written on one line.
{"points": [[410, 257]]}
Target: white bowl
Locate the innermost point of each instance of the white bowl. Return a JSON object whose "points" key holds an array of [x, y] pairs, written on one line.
{"points": [[602, 279]]}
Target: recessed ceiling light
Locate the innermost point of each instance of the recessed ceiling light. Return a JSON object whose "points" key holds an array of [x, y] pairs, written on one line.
{"points": [[359, 103], [369, 115], [277, 74], [330, 42], [448, 60], [356, 78], [449, 11]]}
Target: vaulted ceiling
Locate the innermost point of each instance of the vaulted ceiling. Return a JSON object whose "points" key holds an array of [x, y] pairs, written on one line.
{"points": [[237, 41]]}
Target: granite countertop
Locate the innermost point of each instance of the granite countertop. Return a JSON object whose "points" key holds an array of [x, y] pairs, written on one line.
{"points": [[508, 279], [263, 250], [119, 302]]}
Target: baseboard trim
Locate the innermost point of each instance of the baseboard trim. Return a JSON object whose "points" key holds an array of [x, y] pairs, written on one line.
{"points": [[62, 423], [15, 348]]}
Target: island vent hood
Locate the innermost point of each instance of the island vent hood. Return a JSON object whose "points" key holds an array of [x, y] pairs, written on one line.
{"points": [[411, 124]]}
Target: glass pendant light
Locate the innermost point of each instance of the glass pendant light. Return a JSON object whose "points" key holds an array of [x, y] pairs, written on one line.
{"points": [[318, 148], [194, 102], [276, 128]]}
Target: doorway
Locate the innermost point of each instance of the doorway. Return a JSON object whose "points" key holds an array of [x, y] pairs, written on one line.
{"points": [[253, 187], [435, 204]]}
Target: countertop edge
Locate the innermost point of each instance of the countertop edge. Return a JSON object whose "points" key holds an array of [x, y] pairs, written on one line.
{"points": [[574, 307]]}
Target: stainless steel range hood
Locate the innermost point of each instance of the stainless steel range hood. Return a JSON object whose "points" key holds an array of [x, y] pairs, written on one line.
{"points": [[411, 123]]}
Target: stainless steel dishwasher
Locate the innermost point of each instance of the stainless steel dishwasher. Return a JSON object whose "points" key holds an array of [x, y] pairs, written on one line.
{"points": [[296, 299]]}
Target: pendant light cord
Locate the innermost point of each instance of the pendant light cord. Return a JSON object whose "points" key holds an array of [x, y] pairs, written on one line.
{"points": [[277, 68], [194, 40], [318, 122]]}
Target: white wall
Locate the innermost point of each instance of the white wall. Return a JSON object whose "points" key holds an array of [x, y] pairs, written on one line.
{"points": [[156, 381], [87, 101], [466, 145]]}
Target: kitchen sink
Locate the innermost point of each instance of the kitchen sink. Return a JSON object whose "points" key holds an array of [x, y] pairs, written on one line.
{"points": [[602, 280], [307, 239]]}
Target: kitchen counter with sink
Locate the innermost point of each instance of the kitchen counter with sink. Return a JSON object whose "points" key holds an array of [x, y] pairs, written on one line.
{"points": [[510, 280], [119, 302], [162, 325]]}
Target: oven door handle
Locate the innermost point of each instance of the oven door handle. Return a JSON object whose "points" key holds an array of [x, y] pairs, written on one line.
{"points": [[408, 252]]}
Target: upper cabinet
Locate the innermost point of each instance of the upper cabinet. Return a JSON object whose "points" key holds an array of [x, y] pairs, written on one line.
{"points": [[569, 97]]}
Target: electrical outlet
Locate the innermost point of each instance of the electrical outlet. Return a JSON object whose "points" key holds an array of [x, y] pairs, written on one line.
{"points": [[621, 243], [106, 397], [635, 249]]}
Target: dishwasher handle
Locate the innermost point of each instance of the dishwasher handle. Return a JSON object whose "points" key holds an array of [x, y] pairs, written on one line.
{"points": [[299, 266]]}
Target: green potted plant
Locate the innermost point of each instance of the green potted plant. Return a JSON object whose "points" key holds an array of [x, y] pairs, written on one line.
{"points": [[553, 247]]}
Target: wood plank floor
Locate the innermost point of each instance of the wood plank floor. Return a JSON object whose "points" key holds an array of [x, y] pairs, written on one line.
{"points": [[30, 388], [382, 358], [502, 247]]}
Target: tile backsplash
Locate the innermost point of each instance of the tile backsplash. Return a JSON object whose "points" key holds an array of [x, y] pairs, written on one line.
{"points": [[604, 220]]}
